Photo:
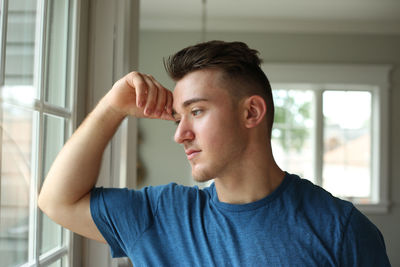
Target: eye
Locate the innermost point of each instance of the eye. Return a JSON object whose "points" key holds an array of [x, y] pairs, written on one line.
{"points": [[196, 112], [177, 122]]}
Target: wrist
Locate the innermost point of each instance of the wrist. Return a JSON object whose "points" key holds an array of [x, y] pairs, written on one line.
{"points": [[108, 114], [114, 112]]}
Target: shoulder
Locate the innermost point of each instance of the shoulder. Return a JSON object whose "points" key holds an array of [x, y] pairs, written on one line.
{"points": [[318, 209], [125, 199], [353, 238], [183, 194], [362, 230], [362, 243], [169, 191], [314, 197], [115, 194]]}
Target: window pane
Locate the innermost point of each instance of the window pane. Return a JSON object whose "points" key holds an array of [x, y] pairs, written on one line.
{"points": [[292, 134], [16, 151], [55, 264], [347, 144], [57, 54], [20, 45], [53, 142]]}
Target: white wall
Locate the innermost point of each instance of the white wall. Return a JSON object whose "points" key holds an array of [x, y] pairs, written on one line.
{"points": [[165, 161]]}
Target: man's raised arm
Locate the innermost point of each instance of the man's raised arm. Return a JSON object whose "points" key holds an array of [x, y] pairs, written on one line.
{"points": [[65, 195]]}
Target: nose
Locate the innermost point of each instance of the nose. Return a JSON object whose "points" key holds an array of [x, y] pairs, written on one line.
{"points": [[184, 132]]}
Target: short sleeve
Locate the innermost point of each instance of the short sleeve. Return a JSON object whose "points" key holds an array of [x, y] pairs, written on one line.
{"points": [[122, 215], [363, 243]]}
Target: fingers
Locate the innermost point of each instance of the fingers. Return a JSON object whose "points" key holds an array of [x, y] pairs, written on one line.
{"points": [[153, 93], [161, 98], [167, 112], [137, 82], [151, 96], [169, 102]]}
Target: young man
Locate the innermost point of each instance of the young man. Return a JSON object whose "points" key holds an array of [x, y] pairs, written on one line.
{"points": [[254, 214]]}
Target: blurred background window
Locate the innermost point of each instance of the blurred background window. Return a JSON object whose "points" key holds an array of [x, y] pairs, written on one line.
{"points": [[346, 134], [331, 127]]}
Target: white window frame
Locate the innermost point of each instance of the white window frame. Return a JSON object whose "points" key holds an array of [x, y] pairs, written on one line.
{"points": [[42, 107], [112, 53], [320, 77]]}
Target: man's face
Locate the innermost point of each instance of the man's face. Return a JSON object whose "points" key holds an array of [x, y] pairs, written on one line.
{"points": [[209, 124]]}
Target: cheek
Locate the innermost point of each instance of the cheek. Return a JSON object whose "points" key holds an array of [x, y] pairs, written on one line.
{"points": [[216, 133]]}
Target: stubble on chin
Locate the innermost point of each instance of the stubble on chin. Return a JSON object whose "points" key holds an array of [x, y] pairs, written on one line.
{"points": [[201, 175]]}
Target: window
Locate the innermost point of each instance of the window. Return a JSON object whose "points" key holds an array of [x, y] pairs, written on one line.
{"points": [[36, 117], [331, 127]]}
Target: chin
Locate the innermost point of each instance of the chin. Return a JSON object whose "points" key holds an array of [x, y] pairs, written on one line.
{"points": [[201, 176], [201, 179]]}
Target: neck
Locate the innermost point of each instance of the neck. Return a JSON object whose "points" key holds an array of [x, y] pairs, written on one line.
{"points": [[256, 176]]}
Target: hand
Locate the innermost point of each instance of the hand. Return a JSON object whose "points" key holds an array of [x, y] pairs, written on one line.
{"points": [[141, 96]]}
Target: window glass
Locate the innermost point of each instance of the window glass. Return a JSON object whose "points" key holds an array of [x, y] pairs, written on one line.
{"points": [[347, 144], [54, 129], [16, 152], [20, 44], [56, 264], [292, 141], [56, 68]]}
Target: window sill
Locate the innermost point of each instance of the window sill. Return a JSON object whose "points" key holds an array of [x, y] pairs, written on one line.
{"points": [[379, 208]]}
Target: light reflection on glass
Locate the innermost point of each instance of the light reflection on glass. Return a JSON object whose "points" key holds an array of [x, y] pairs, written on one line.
{"points": [[16, 151], [347, 144]]}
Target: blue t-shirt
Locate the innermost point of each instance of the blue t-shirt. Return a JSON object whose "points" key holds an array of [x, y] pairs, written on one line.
{"points": [[299, 224]]}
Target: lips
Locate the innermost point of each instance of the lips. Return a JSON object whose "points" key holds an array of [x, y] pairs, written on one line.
{"points": [[191, 153]]}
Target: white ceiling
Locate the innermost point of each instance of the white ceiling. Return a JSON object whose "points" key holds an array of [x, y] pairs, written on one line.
{"points": [[340, 16]]}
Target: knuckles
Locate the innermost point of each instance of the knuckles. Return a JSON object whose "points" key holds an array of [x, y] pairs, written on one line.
{"points": [[156, 97]]}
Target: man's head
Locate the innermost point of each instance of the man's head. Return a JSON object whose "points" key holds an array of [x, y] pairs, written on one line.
{"points": [[240, 67], [220, 100]]}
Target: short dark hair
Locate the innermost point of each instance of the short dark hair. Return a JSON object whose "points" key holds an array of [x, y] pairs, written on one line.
{"points": [[238, 63]]}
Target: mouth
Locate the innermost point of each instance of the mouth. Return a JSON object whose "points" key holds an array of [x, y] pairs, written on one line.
{"points": [[191, 153]]}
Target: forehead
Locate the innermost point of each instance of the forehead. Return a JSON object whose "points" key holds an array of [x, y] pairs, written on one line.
{"points": [[206, 83]]}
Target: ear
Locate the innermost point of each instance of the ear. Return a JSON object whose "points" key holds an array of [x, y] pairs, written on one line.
{"points": [[255, 109]]}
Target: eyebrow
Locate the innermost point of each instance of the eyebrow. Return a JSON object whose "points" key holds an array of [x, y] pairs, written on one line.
{"points": [[188, 103]]}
